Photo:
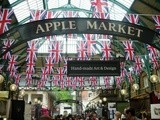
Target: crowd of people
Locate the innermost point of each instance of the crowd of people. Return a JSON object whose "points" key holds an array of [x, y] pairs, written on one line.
{"points": [[128, 114]]}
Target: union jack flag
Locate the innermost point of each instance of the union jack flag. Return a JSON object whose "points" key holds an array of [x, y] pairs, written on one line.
{"points": [[1, 67], [5, 15], [68, 82], [132, 18], [28, 82], [81, 82], [152, 50], [38, 84], [17, 79], [129, 76], [122, 65], [12, 62], [49, 65], [62, 84], [37, 15], [31, 50], [70, 14], [55, 49], [74, 84], [155, 63], [123, 72], [76, 79], [55, 81], [100, 6], [44, 74], [30, 69], [118, 82], [43, 82], [60, 73], [106, 50], [106, 81], [93, 81], [52, 14], [82, 50], [157, 20], [65, 63], [101, 15], [28, 75], [7, 44], [91, 48], [12, 73], [129, 50], [104, 37], [138, 64]]}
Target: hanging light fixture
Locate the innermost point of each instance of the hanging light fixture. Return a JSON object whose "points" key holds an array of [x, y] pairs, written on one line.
{"points": [[1, 79], [13, 87], [135, 86], [36, 100], [154, 78], [22, 92], [39, 102], [104, 99], [100, 101], [123, 91]]}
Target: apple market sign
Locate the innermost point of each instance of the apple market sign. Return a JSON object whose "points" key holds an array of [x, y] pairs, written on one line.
{"points": [[59, 26]]}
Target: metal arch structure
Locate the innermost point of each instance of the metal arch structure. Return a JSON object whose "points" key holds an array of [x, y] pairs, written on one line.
{"points": [[30, 31]]}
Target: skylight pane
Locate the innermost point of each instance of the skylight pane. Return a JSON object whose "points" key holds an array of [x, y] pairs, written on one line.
{"points": [[12, 1], [70, 46], [21, 11], [76, 3], [126, 3], [62, 3], [52, 4], [44, 47], [117, 13], [56, 3], [35, 4], [85, 4]]}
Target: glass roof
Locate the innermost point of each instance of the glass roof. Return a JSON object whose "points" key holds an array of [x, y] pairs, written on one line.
{"points": [[22, 8]]}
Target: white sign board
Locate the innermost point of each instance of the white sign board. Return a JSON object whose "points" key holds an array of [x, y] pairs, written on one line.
{"points": [[155, 111]]}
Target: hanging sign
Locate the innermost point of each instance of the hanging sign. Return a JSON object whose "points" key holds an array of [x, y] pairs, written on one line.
{"points": [[86, 25], [93, 68], [60, 26]]}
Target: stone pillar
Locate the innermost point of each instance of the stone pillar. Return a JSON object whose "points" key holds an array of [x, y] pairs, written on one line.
{"points": [[29, 97], [73, 104], [45, 99]]}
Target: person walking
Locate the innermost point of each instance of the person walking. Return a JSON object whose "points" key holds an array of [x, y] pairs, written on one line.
{"points": [[117, 115], [130, 114]]}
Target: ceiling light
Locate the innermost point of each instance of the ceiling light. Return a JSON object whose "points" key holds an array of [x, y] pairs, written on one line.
{"points": [[123, 92], [1, 79], [13, 87], [154, 78], [135, 86]]}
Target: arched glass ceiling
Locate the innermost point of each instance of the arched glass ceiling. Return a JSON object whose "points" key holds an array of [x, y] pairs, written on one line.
{"points": [[22, 7]]}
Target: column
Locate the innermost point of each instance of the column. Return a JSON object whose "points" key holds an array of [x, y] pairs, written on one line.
{"points": [[29, 97]]}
